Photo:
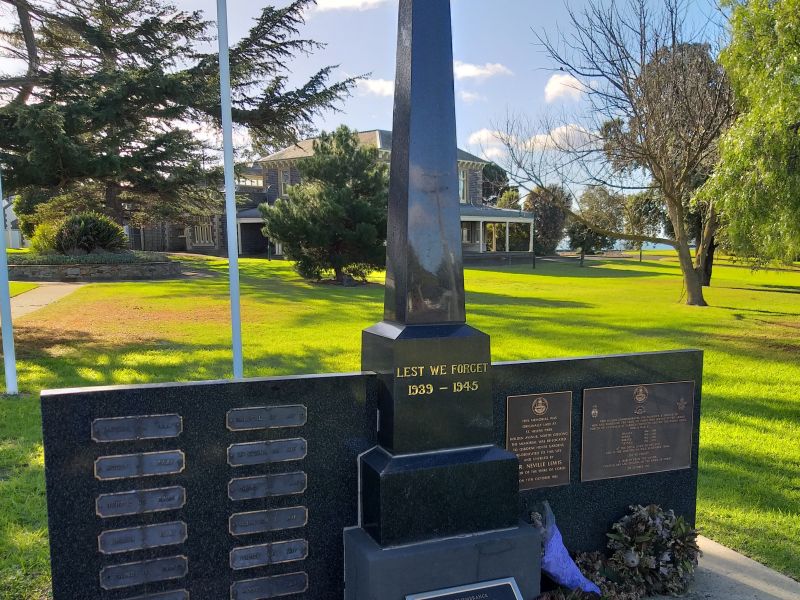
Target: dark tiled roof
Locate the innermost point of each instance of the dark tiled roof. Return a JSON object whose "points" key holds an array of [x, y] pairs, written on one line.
{"points": [[377, 138]]}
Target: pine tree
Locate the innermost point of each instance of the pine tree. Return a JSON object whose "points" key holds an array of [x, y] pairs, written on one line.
{"points": [[112, 88], [335, 220]]}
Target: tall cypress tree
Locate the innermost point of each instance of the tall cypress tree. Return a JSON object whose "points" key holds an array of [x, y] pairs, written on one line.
{"points": [[103, 109]]}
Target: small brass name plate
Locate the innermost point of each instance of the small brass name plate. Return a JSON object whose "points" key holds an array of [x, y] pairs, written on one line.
{"points": [[176, 595], [259, 453], [147, 464], [139, 502], [146, 571], [538, 431], [637, 429], [261, 555], [261, 521], [270, 587], [151, 427], [139, 538], [266, 417], [267, 486]]}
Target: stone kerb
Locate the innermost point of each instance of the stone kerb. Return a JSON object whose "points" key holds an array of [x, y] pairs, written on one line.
{"points": [[95, 272]]}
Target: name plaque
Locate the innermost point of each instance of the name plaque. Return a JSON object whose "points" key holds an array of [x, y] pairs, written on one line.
{"points": [[259, 453], [139, 502], [498, 589], [267, 486], [266, 417], [538, 431], [146, 464], [261, 521], [151, 427], [176, 595], [270, 587], [261, 555], [140, 538], [637, 429], [146, 571]]}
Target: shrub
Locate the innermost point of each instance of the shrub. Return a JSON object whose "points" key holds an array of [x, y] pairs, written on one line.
{"points": [[88, 232], [44, 238]]}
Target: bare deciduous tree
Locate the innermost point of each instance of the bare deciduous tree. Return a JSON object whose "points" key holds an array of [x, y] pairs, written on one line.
{"points": [[656, 103]]}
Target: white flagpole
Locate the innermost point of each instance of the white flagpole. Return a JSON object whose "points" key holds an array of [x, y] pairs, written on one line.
{"points": [[230, 190], [9, 355]]}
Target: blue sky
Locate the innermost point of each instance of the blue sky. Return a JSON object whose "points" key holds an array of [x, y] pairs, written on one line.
{"points": [[499, 68], [498, 65]]}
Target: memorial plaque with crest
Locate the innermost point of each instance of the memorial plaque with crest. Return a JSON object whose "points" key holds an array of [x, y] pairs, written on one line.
{"points": [[637, 429], [498, 589], [538, 431]]}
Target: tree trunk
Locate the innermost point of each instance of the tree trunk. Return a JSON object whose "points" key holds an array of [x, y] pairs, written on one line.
{"points": [[113, 205], [582, 256], [640, 253], [708, 264], [691, 278]]}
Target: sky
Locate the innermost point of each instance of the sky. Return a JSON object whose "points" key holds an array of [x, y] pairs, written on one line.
{"points": [[499, 68]]}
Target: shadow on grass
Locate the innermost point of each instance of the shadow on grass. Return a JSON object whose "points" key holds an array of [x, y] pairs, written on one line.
{"points": [[567, 268]]}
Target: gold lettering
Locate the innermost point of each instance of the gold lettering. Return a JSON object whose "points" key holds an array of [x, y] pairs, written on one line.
{"points": [[416, 371]]}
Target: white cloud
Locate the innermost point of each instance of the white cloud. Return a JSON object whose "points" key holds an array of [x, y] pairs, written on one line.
{"points": [[565, 137], [377, 87], [326, 5], [485, 137], [464, 70], [494, 153], [563, 85], [470, 97]]}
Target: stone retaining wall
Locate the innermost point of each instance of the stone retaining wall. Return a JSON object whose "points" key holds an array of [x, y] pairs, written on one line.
{"points": [[95, 272]]}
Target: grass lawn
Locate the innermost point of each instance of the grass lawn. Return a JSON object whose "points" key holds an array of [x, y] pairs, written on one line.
{"points": [[19, 287], [749, 495]]}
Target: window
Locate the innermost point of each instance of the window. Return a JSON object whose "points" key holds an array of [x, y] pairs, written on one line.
{"points": [[285, 182], [463, 185], [204, 232]]}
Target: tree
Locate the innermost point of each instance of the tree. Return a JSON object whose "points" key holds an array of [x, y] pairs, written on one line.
{"points": [[657, 103], [495, 183], [586, 240], [335, 220], [550, 206], [113, 89], [644, 216], [757, 182], [509, 199]]}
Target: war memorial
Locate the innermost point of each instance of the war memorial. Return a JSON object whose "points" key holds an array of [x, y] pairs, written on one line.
{"points": [[412, 479]]}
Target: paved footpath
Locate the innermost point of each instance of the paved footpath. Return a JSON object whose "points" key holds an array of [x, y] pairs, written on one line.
{"points": [[727, 575], [46, 293]]}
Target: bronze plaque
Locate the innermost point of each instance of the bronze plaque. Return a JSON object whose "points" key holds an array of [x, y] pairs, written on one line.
{"points": [[261, 521], [260, 453], [538, 431], [266, 417], [261, 555], [150, 427], [146, 464], [266, 486], [637, 429], [143, 537], [137, 502], [270, 587], [146, 571]]}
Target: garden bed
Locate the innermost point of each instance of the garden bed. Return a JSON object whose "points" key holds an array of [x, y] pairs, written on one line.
{"points": [[124, 266]]}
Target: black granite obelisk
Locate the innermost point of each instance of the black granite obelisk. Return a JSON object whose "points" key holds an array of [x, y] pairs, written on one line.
{"points": [[439, 501]]}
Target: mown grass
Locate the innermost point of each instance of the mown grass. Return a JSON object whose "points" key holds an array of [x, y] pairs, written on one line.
{"points": [[20, 287], [749, 496]]}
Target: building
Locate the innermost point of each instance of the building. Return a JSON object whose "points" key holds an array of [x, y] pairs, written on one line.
{"points": [[269, 179]]}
